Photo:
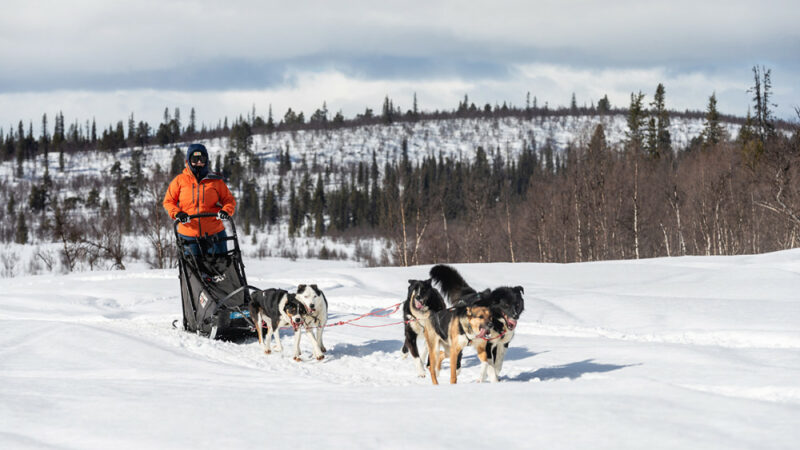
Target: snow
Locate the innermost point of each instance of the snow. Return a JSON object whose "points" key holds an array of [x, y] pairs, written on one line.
{"points": [[690, 352]]}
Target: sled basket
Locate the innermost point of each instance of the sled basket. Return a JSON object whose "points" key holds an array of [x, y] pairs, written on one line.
{"points": [[214, 291]]}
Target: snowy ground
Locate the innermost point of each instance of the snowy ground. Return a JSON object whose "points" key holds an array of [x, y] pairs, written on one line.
{"points": [[693, 352]]}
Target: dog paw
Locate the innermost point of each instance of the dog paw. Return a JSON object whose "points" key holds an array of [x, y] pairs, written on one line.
{"points": [[324, 350], [267, 351], [320, 357], [297, 358]]}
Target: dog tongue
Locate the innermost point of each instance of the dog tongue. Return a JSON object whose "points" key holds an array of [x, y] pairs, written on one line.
{"points": [[417, 304], [512, 323], [482, 333]]}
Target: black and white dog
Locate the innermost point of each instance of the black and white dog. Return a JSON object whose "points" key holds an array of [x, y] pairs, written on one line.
{"points": [[505, 303], [277, 308], [422, 300], [317, 305]]}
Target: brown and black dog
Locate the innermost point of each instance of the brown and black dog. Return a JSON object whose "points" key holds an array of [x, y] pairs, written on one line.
{"points": [[454, 329]]}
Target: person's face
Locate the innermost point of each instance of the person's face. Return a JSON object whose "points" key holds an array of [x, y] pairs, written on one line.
{"points": [[197, 160]]}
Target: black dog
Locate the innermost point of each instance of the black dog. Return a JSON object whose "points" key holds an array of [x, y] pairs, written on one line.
{"points": [[421, 301], [505, 303]]}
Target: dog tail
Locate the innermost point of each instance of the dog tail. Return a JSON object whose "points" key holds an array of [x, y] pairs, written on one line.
{"points": [[450, 283]]}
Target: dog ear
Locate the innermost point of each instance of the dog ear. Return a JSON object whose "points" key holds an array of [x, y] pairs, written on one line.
{"points": [[519, 289], [301, 287], [411, 282], [315, 288]]}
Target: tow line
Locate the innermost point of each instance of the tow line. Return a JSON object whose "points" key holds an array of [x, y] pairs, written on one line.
{"points": [[377, 313]]}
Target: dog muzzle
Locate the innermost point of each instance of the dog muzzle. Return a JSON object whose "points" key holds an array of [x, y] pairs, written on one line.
{"points": [[510, 323]]}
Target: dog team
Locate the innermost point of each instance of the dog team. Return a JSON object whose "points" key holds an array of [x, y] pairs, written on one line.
{"points": [[484, 320]]}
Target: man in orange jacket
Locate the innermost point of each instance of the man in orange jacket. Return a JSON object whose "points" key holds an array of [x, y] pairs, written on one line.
{"points": [[197, 190]]}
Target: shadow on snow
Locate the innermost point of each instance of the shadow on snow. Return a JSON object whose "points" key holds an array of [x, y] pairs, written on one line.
{"points": [[367, 348], [568, 371]]}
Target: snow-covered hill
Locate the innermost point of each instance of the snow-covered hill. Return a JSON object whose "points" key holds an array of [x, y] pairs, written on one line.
{"points": [[453, 137], [692, 352], [351, 145]]}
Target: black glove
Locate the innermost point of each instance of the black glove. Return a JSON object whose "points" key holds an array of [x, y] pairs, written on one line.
{"points": [[183, 217], [222, 215]]}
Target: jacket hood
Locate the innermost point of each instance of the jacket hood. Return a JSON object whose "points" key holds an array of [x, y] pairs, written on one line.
{"points": [[196, 148], [199, 172]]}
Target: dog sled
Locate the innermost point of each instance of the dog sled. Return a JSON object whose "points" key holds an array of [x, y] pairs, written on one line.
{"points": [[214, 291]]}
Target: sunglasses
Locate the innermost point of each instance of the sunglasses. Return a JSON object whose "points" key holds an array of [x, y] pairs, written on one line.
{"points": [[198, 158]]}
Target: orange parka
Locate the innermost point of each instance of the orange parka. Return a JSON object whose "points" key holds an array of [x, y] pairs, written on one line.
{"points": [[209, 195]]}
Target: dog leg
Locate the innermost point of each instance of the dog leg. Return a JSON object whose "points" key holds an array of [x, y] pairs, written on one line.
{"points": [[501, 356], [277, 333], [297, 334], [423, 355], [411, 347], [486, 366], [455, 350], [432, 341], [317, 350], [268, 339], [260, 332], [320, 328], [485, 349]]}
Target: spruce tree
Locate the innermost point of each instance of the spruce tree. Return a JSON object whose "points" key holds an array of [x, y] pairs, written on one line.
{"points": [[294, 211], [178, 162], [270, 120], [712, 131], [21, 233], [662, 141], [652, 138], [9, 149], [191, 129], [270, 209], [131, 131], [762, 87], [604, 106], [636, 120]]}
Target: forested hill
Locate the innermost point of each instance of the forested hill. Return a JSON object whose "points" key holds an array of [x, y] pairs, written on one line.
{"points": [[469, 186]]}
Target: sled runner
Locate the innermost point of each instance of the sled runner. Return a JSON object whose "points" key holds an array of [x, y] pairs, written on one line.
{"points": [[214, 291]]}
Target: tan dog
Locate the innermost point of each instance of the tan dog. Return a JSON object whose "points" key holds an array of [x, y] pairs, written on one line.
{"points": [[454, 329]]}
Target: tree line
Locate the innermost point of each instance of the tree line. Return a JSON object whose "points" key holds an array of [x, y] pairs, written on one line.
{"points": [[720, 195]]}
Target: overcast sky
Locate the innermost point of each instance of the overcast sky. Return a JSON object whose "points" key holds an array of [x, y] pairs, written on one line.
{"points": [[108, 59]]}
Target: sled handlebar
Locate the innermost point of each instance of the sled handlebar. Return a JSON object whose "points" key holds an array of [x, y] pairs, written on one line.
{"points": [[177, 222]]}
